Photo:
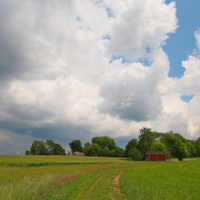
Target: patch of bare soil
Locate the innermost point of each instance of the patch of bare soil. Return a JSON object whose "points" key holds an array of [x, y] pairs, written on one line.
{"points": [[71, 178], [116, 182]]}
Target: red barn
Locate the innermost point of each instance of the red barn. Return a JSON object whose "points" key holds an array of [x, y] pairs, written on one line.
{"points": [[157, 155]]}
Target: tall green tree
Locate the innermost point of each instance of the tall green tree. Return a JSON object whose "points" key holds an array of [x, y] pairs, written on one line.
{"points": [[131, 144], [104, 152], [146, 140], [87, 151], [197, 146], [179, 150], [38, 148], [27, 152], [134, 154], [119, 152], [41, 148], [95, 148], [104, 142], [54, 148], [46, 148], [158, 146], [179, 146], [76, 145], [168, 140], [87, 144], [191, 149]]}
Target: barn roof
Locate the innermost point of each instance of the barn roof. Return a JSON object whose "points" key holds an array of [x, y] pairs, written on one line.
{"points": [[158, 153]]}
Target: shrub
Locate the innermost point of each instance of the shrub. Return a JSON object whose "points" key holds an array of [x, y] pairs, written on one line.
{"points": [[27, 152], [134, 154]]}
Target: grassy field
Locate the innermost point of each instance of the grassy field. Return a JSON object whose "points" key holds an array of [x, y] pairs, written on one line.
{"points": [[70, 177]]}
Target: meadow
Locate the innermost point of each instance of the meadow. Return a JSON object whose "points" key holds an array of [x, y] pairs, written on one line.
{"points": [[74, 177]]}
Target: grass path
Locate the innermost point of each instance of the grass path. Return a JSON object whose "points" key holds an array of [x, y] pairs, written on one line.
{"points": [[101, 185]]}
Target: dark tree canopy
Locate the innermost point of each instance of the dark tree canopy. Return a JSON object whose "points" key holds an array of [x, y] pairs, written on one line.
{"points": [[38, 148], [191, 149], [197, 146], [179, 146], [146, 140], [54, 148], [34, 147], [87, 144], [104, 152], [76, 145], [87, 151], [180, 150], [131, 144], [46, 148], [159, 146], [92, 150], [104, 142], [27, 152], [119, 152], [134, 154]]}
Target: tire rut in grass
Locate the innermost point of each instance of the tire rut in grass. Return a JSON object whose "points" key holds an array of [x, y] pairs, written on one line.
{"points": [[116, 183], [108, 186], [101, 187], [89, 189], [95, 185]]}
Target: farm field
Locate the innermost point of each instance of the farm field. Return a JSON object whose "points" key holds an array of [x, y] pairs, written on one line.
{"points": [[71, 177]]}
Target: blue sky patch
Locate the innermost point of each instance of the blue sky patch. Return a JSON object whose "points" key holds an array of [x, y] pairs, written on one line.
{"points": [[145, 62], [124, 60], [148, 50], [107, 37], [187, 98], [109, 12], [181, 44]]}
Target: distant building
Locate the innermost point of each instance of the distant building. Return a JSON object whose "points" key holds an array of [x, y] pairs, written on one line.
{"points": [[78, 153], [157, 155]]}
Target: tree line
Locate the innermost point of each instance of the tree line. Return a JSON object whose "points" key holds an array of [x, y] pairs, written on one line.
{"points": [[100, 146], [136, 149], [45, 148]]}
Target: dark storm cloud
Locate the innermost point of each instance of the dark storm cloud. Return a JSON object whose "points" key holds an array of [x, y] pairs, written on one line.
{"points": [[123, 141], [27, 35], [130, 98], [24, 112], [12, 40]]}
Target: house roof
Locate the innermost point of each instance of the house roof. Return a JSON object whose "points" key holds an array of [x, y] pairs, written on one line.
{"points": [[158, 153], [79, 152]]}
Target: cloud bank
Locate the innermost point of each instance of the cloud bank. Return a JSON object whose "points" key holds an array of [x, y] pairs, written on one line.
{"points": [[77, 69]]}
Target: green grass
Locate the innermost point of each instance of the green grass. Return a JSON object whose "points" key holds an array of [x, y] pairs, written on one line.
{"points": [[55, 160], [69, 177], [163, 180]]}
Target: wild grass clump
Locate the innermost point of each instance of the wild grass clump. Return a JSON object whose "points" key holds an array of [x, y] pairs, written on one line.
{"points": [[28, 188]]}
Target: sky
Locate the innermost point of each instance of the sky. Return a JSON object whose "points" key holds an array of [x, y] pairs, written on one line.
{"points": [[78, 69]]}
